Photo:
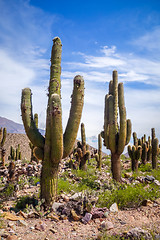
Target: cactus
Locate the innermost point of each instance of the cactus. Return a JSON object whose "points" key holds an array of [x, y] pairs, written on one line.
{"points": [[82, 154], [135, 153], [33, 158], [155, 149], [3, 134], [15, 154], [116, 137], [55, 145], [98, 156]]}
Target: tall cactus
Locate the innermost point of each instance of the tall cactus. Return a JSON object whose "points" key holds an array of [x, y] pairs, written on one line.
{"points": [[3, 134], [155, 149], [54, 146], [134, 152], [116, 136]]}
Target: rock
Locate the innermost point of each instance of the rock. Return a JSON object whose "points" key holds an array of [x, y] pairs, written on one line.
{"points": [[11, 216], [157, 182], [149, 178], [146, 202], [53, 230], [98, 212], [128, 175], [56, 205], [22, 223], [53, 217], [12, 237], [157, 237], [86, 218], [107, 225], [114, 207], [75, 216], [138, 233], [76, 196]]}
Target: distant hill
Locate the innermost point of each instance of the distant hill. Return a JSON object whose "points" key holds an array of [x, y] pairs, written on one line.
{"points": [[13, 127]]}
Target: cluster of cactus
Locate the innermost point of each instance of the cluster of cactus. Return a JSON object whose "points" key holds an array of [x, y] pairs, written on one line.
{"points": [[116, 137], [3, 134], [15, 154], [82, 153], [55, 145], [33, 158], [135, 152], [146, 150], [98, 156]]}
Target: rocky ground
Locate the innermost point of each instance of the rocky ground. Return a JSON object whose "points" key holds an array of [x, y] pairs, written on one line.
{"points": [[70, 216]]}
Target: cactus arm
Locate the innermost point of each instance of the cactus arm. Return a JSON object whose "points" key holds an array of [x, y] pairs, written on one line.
{"points": [[128, 131], [83, 136], [38, 153], [115, 95], [26, 108], [106, 121], [71, 130], [55, 69], [56, 128], [122, 113], [112, 127], [36, 119], [111, 87]]}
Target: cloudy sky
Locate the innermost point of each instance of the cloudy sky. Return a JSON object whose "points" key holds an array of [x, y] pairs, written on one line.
{"points": [[97, 37]]}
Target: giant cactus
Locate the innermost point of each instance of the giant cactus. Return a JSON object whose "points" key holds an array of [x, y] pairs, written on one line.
{"points": [[134, 152], [54, 146], [116, 136], [3, 134]]}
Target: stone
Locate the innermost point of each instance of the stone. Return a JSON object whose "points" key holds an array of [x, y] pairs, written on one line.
{"points": [[157, 182], [149, 178], [53, 230], [98, 212], [114, 208], [75, 216], [56, 205], [146, 202], [107, 225], [22, 223], [76, 196], [138, 233], [12, 237], [86, 218]]}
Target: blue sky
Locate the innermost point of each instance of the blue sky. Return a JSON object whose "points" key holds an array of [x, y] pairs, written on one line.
{"points": [[97, 37]]}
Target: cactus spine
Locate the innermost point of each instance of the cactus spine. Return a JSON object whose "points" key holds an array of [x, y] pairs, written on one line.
{"points": [[3, 134], [135, 153], [116, 137], [55, 145]]}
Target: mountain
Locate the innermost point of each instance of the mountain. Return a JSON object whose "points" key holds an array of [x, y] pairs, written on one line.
{"points": [[12, 127]]}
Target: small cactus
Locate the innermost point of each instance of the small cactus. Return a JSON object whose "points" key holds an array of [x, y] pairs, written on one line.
{"points": [[135, 153], [98, 156], [82, 153], [155, 149], [3, 134]]}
